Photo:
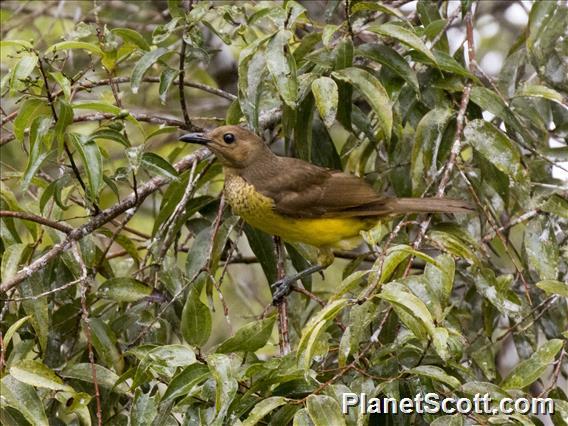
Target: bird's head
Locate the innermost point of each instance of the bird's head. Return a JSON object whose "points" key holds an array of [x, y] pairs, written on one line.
{"points": [[234, 146]]}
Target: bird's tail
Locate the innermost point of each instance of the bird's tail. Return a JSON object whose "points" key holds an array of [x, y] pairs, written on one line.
{"points": [[428, 205]]}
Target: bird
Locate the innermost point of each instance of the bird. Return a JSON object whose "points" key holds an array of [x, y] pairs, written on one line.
{"points": [[302, 202]]}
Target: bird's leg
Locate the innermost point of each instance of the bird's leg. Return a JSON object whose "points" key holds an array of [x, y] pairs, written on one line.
{"points": [[283, 286]]}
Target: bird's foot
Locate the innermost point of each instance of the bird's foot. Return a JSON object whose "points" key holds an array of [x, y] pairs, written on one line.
{"points": [[282, 288]]}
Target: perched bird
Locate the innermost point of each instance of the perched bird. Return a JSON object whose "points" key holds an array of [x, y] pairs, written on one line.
{"points": [[302, 202]]}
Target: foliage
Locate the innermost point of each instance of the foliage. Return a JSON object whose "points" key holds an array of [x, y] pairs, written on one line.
{"points": [[129, 293]]}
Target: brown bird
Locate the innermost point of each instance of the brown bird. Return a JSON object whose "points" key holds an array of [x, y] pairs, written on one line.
{"points": [[302, 202]]}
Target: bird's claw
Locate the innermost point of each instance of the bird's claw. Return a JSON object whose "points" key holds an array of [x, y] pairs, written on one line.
{"points": [[282, 288]]}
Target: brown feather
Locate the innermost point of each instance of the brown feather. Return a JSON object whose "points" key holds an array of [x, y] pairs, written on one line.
{"points": [[303, 190]]}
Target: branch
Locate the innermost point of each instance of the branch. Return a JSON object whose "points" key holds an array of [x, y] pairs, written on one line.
{"points": [[121, 80], [456, 146], [282, 306], [525, 216], [139, 116], [51, 101], [37, 219], [100, 219], [181, 87]]}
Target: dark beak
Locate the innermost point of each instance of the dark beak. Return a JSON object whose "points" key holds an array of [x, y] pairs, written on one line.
{"points": [[198, 138]]}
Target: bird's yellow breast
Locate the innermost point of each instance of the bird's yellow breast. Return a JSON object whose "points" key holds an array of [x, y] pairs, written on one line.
{"points": [[258, 210]]}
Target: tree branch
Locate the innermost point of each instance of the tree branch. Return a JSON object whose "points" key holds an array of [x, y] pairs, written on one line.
{"points": [[37, 219]]}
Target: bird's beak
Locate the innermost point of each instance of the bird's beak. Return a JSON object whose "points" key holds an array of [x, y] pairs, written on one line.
{"points": [[198, 138]]}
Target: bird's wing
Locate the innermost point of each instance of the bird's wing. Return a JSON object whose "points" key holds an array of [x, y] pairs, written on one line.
{"points": [[301, 189]]}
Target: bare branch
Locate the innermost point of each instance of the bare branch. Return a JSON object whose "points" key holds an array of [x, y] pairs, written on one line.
{"points": [[37, 219]]}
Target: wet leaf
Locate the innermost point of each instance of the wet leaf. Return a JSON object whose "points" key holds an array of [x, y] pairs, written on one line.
{"points": [[250, 337], [143, 65], [324, 411], [326, 97], [124, 289], [404, 35], [373, 91], [531, 369], [282, 67]]}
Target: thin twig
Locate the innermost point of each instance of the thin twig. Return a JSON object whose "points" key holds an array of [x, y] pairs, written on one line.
{"points": [[522, 218], [282, 305], [51, 102], [181, 87], [88, 333], [37, 219]]}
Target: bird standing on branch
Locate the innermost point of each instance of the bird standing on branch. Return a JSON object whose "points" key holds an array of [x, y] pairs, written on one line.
{"points": [[302, 202]]}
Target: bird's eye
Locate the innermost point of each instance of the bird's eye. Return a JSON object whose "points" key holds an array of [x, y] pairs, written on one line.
{"points": [[229, 138]]}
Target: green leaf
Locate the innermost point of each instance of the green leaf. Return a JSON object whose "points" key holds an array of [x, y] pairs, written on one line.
{"points": [[373, 91], [378, 7], [11, 258], [105, 377], [166, 80], [64, 119], [526, 372], [250, 337], [104, 342], [552, 287], [326, 97], [73, 44], [195, 319], [29, 110], [544, 92], [38, 132], [23, 69], [251, 71], [403, 35], [183, 382], [495, 146], [16, 43], [234, 113], [124, 289], [324, 411], [97, 106], [37, 374], [144, 409], [282, 67], [143, 65], [111, 135], [262, 247], [313, 330], [488, 286], [132, 36], [391, 59], [13, 328], [448, 64], [436, 373], [262, 409], [92, 163], [427, 139], [542, 249], [226, 384], [157, 165], [402, 300], [456, 241], [162, 32], [38, 309], [23, 398], [453, 420], [160, 131]]}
